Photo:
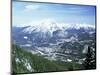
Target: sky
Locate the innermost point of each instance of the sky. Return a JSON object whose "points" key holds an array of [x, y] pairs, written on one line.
{"points": [[27, 12]]}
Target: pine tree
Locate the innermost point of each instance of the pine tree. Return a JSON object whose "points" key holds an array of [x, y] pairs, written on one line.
{"points": [[90, 61]]}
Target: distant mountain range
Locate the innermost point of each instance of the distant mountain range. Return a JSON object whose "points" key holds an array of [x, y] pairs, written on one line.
{"points": [[51, 26]]}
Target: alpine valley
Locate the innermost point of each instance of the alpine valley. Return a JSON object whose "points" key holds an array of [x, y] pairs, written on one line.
{"points": [[55, 42]]}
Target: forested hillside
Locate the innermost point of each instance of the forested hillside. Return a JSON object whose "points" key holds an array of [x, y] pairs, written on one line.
{"points": [[26, 62]]}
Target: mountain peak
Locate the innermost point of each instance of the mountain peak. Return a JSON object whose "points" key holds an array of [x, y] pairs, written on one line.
{"points": [[50, 25]]}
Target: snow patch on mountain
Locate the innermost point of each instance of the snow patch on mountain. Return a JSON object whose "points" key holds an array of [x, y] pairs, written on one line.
{"points": [[26, 45], [25, 37]]}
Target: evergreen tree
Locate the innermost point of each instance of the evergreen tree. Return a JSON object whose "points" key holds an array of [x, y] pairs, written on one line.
{"points": [[90, 61]]}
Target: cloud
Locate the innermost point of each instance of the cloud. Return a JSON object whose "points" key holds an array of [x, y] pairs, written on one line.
{"points": [[32, 8]]}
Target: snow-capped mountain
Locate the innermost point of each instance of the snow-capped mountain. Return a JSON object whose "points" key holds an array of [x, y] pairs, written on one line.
{"points": [[50, 31], [51, 26]]}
